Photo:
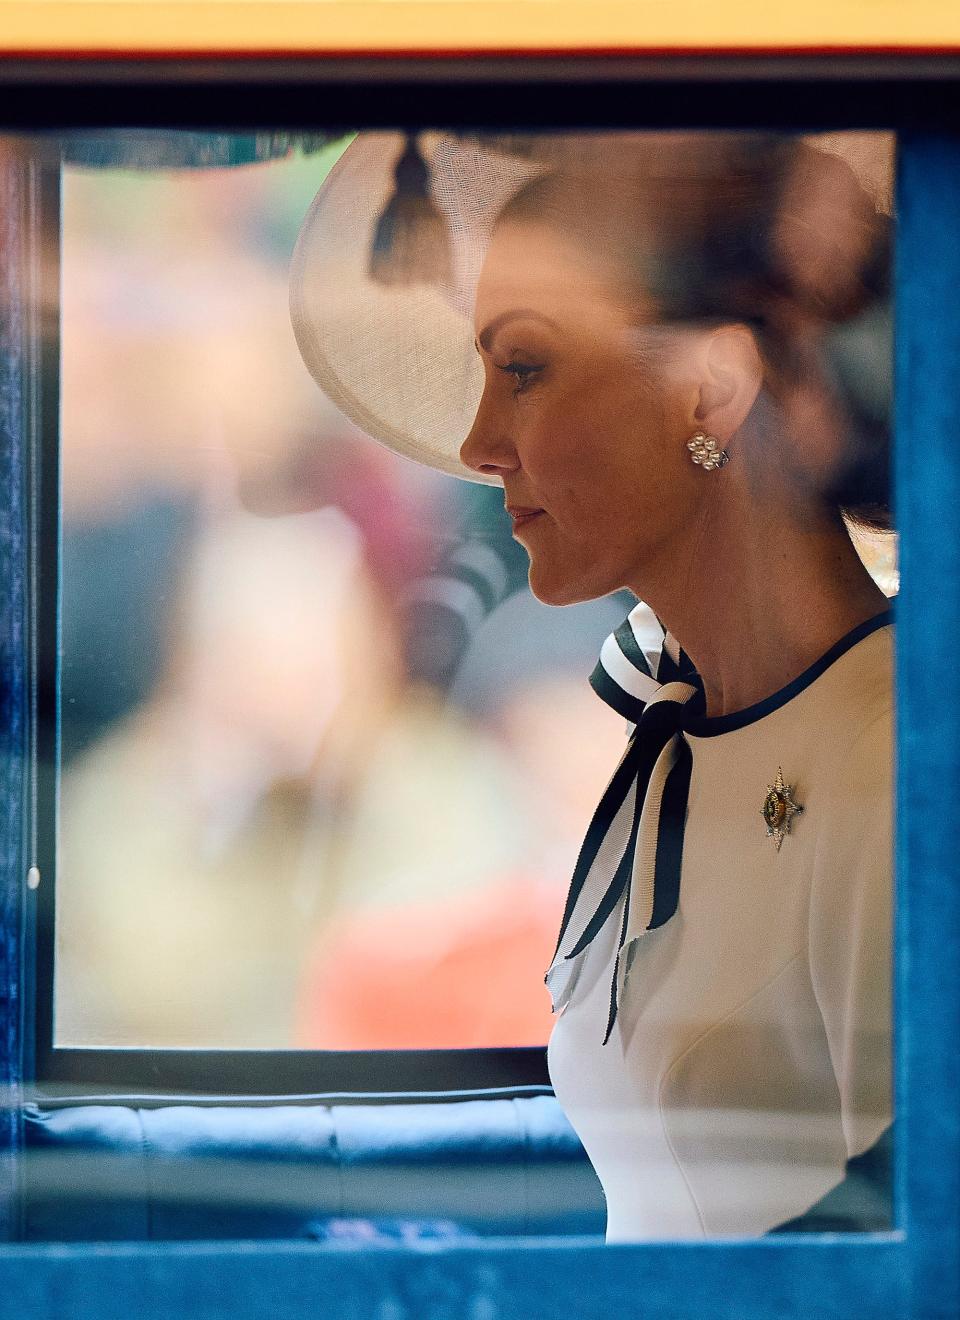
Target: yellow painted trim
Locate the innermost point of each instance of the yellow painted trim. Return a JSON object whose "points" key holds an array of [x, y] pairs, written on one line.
{"points": [[392, 26]]}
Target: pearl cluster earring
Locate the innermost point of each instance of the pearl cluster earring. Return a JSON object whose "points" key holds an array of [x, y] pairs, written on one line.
{"points": [[706, 452]]}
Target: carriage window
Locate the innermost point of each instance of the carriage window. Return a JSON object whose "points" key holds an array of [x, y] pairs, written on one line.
{"points": [[475, 563]]}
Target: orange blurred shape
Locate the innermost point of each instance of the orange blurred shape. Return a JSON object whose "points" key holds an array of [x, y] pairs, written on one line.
{"points": [[460, 971]]}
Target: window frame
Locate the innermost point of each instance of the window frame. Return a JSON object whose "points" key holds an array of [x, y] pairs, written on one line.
{"points": [[915, 1269]]}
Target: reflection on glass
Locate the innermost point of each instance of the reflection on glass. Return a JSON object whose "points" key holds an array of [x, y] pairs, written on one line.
{"points": [[330, 785]]}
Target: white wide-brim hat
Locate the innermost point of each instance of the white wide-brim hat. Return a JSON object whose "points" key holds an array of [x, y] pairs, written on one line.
{"points": [[399, 358]]}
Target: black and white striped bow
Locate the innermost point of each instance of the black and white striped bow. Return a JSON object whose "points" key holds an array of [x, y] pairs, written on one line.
{"points": [[633, 848]]}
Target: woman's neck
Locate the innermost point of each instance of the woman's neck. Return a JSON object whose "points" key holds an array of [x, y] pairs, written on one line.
{"points": [[755, 597]]}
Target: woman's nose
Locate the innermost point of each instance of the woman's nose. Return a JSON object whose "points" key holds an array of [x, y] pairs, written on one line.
{"points": [[488, 449]]}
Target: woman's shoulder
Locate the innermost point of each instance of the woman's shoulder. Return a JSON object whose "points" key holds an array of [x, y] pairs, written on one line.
{"points": [[860, 713], [848, 714]]}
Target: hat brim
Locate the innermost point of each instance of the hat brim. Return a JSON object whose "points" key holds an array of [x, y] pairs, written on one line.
{"points": [[400, 362]]}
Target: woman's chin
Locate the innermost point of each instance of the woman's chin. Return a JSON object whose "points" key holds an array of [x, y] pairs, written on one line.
{"points": [[552, 588]]}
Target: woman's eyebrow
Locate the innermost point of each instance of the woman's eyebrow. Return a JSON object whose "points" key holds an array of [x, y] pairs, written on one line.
{"points": [[486, 335]]}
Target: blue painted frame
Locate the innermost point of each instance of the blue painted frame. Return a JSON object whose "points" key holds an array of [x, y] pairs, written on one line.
{"points": [[13, 661], [913, 1272]]}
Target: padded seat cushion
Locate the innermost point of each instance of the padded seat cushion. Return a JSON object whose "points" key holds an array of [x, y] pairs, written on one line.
{"points": [[486, 1166]]}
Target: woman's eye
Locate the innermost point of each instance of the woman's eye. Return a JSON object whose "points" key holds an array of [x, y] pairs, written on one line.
{"points": [[522, 372]]}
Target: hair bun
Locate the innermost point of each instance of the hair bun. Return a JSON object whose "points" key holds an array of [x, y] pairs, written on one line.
{"points": [[829, 243]]}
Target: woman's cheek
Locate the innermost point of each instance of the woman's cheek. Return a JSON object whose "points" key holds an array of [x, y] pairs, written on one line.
{"points": [[564, 434]]}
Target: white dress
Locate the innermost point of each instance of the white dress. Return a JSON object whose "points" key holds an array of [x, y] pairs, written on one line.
{"points": [[750, 1058]]}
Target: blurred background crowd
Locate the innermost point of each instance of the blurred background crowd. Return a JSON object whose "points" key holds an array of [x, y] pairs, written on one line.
{"points": [[326, 762]]}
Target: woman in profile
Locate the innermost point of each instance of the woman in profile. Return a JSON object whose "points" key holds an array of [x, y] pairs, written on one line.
{"points": [[675, 366]]}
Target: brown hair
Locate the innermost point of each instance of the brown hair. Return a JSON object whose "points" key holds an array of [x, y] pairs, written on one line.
{"points": [[762, 229]]}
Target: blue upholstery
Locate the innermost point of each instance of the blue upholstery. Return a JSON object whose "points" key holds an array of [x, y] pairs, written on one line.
{"points": [[493, 1166]]}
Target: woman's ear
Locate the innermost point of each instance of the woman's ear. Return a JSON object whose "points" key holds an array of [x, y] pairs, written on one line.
{"points": [[731, 375]]}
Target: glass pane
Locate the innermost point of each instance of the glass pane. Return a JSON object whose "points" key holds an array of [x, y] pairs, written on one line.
{"points": [[329, 752]]}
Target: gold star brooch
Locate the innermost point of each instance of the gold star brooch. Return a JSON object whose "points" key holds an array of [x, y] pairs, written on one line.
{"points": [[779, 808]]}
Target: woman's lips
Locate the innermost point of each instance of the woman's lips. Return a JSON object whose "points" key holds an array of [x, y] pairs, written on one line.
{"points": [[522, 516]]}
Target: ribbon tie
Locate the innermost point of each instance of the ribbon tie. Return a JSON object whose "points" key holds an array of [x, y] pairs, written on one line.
{"points": [[633, 847]]}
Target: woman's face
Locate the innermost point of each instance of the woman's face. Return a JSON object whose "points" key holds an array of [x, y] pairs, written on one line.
{"points": [[582, 418]]}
